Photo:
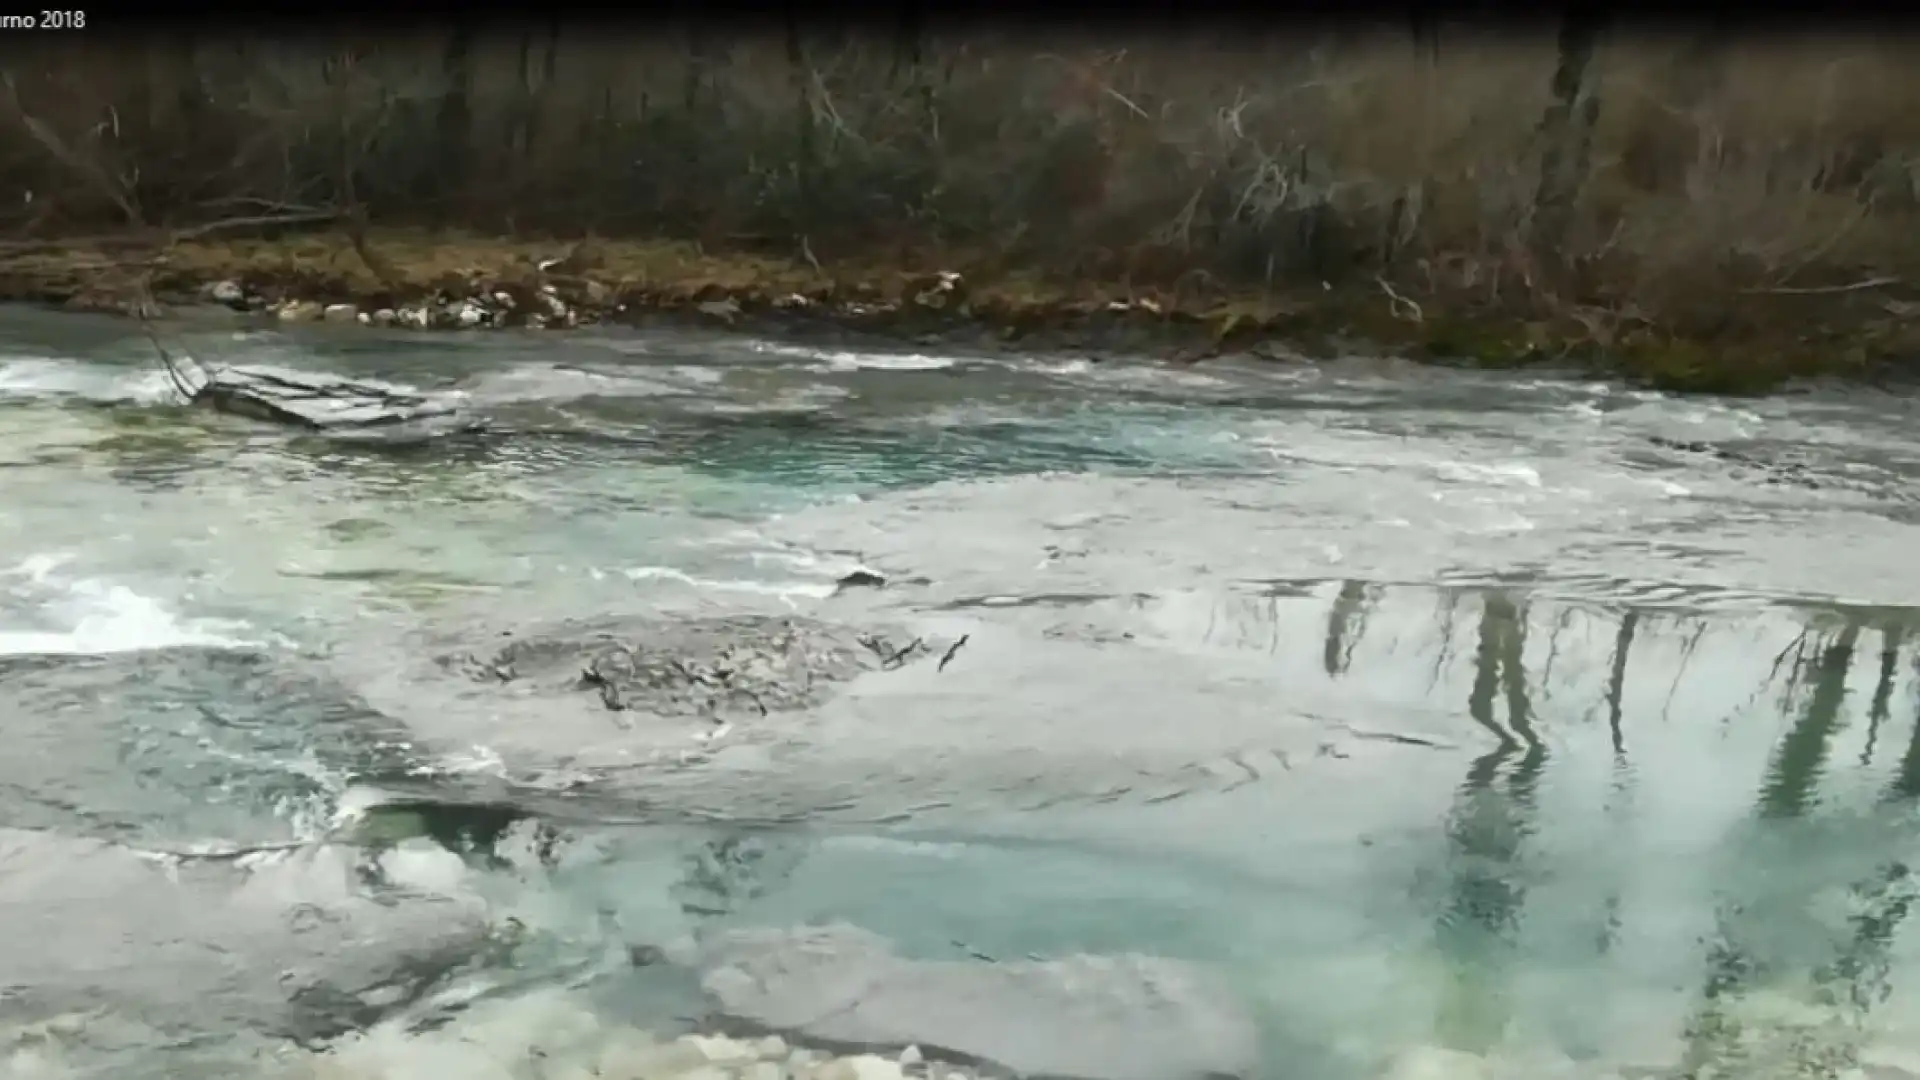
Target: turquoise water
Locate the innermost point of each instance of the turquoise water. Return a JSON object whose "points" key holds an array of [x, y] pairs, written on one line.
{"points": [[1429, 715]]}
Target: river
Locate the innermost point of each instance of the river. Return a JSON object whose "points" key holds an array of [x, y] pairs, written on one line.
{"points": [[1449, 724]]}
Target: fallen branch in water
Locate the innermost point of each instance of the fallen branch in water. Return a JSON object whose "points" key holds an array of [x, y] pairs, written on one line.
{"points": [[952, 650], [167, 362], [900, 656]]}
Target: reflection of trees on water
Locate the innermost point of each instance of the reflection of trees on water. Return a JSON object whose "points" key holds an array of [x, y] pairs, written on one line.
{"points": [[1494, 811], [1486, 830], [1735, 960], [1802, 756], [1892, 638], [1617, 686], [1347, 623]]}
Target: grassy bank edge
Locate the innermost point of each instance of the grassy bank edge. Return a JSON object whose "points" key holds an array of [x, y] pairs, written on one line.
{"points": [[1754, 345]]}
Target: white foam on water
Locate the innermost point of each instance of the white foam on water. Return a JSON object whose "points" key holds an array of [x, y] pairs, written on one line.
{"points": [[38, 377], [846, 360], [783, 590], [90, 616], [1499, 474]]}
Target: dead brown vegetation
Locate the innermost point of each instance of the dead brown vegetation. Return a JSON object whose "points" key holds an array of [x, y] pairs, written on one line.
{"points": [[1694, 181]]}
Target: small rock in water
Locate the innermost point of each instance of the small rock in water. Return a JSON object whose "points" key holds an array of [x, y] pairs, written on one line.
{"points": [[861, 579], [384, 317], [340, 313], [1134, 1017], [228, 292], [415, 318]]}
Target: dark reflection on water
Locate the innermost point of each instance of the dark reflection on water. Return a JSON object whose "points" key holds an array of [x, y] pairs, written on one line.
{"points": [[1764, 931]]}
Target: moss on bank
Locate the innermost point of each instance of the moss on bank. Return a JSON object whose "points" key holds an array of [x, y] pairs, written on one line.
{"points": [[1740, 344]]}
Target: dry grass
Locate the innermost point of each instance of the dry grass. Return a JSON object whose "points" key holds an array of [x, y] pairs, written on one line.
{"points": [[1724, 174]]}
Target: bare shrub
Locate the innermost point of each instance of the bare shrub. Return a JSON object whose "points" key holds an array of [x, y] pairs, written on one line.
{"points": [[1262, 159]]}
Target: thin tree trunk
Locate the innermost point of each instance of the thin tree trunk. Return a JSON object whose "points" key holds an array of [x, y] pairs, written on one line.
{"points": [[455, 121], [802, 83], [1566, 136], [698, 47]]}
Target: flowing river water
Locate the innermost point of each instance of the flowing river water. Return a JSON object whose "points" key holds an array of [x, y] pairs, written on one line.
{"points": [[1414, 723]]}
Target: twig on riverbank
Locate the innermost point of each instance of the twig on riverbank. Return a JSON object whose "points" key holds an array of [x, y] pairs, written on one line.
{"points": [[1825, 290], [1397, 303]]}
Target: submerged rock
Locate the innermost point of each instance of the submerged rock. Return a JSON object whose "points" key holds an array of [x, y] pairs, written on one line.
{"points": [[290, 944], [1094, 1017], [317, 402], [703, 667], [1436, 1063], [861, 579], [557, 1035]]}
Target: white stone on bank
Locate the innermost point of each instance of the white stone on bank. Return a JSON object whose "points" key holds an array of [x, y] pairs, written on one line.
{"points": [[298, 311]]}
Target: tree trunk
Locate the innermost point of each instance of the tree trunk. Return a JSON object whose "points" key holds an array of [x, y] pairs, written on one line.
{"points": [[454, 125], [1566, 137], [802, 83], [909, 57]]}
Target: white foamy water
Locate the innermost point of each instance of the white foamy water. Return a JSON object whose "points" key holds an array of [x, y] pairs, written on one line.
{"points": [[848, 360], [89, 616], [783, 590], [554, 382], [45, 377]]}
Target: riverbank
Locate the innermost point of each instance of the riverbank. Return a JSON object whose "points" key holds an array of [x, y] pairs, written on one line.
{"points": [[1746, 341]]}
